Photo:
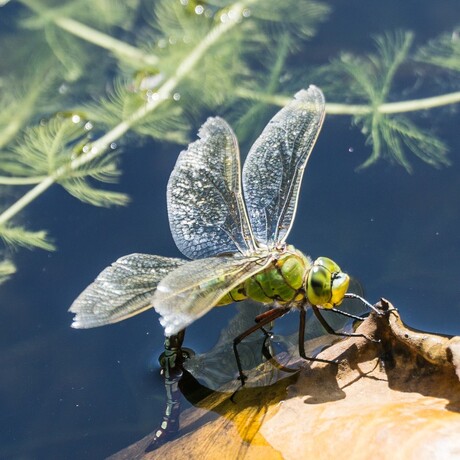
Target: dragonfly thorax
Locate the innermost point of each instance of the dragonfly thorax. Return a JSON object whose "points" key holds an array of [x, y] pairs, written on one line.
{"points": [[292, 279]]}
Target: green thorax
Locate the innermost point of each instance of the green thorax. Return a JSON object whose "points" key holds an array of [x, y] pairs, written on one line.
{"points": [[283, 280]]}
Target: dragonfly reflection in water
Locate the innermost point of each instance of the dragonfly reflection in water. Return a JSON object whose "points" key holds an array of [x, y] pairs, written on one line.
{"points": [[237, 240]]}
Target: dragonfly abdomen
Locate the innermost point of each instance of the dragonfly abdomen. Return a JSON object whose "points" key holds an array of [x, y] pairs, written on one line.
{"points": [[282, 281]]}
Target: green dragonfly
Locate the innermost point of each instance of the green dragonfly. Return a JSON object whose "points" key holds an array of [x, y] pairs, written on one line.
{"points": [[234, 226]]}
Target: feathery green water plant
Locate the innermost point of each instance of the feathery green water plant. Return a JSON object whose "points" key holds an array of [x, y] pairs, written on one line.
{"points": [[126, 98], [52, 163], [443, 51], [22, 97], [369, 80], [176, 60], [51, 150]]}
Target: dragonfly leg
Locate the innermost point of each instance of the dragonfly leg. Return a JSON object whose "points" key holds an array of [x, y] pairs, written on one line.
{"points": [[351, 295], [267, 351], [345, 313], [171, 362], [266, 346], [330, 330], [262, 320], [302, 341], [258, 319]]}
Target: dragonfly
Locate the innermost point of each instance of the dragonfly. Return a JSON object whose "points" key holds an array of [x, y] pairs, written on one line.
{"points": [[232, 225]]}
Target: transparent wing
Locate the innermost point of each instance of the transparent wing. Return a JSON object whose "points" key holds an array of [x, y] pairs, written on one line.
{"points": [[274, 167], [193, 289], [122, 290], [205, 205]]}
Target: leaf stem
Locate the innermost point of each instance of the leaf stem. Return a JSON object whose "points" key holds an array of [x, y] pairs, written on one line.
{"points": [[4, 180], [94, 36], [107, 42], [26, 199], [361, 109]]}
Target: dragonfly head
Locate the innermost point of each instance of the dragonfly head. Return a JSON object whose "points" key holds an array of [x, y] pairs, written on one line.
{"points": [[326, 284]]}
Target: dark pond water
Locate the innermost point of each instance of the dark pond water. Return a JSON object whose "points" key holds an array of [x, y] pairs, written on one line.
{"points": [[73, 394]]}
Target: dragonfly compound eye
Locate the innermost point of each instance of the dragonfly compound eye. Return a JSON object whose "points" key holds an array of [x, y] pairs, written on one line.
{"points": [[326, 283], [319, 283]]}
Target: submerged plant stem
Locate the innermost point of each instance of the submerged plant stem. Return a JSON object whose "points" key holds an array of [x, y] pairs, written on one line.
{"points": [[99, 146], [21, 180], [95, 37], [26, 199], [361, 109], [105, 41]]}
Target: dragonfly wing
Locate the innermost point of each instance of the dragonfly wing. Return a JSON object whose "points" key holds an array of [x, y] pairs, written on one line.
{"points": [[122, 290], [194, 288], [205, 204], [274, 167]]}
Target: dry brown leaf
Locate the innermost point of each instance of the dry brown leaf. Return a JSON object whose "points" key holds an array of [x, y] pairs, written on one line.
{"points": [[397, 399]]}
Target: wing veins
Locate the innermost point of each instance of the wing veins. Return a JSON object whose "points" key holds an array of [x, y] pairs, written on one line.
{"points": [[206, 209], [212, 276], [237, 218], [272, 195], [290, 193]]}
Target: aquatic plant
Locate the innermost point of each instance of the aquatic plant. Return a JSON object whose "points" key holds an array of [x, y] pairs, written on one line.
{"points": [[87, 78]]}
